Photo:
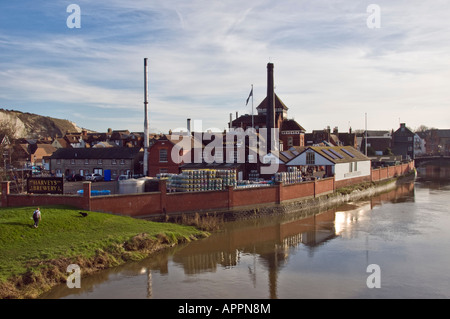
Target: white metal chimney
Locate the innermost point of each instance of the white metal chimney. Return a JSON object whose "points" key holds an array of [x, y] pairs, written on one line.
{"points": [[145, 118]]}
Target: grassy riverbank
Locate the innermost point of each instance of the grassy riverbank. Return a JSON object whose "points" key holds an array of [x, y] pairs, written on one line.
{"points": [[32, 260]]}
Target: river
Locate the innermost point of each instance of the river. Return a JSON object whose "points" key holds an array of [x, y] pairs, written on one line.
{"points": [[395, 245]]}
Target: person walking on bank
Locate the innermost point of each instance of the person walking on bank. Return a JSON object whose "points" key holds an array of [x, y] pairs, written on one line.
{"points": [[36, 217]]}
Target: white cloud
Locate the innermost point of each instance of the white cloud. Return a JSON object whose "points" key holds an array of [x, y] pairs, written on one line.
{"points": [[330, 68]]}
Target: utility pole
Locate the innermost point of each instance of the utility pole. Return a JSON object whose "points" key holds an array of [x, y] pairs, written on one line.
{"points": [[365, 144]]}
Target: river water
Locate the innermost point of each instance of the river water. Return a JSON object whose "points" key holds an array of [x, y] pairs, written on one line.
{"points": [[395, 245]]}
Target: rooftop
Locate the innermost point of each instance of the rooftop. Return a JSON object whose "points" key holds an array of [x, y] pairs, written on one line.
{"points": [[96, 153]]}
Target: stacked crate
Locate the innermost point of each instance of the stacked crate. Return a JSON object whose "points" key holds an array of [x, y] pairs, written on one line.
{"points": [[228, 177], [202, 180], [293, 175]]}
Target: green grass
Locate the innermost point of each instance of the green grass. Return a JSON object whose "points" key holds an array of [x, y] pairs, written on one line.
{"points": [[63, 233]]}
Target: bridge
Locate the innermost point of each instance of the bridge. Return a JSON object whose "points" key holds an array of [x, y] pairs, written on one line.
{"points": [[438, 160]]}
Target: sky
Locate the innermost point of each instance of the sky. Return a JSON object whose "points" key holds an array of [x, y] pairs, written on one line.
{"points": [[336, 62]]}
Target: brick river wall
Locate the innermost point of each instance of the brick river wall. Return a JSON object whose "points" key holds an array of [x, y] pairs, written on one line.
{"points": [[161, 202]]}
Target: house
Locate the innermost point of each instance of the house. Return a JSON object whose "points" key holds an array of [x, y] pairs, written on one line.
{"points": [[119, 137], [135, 139], [60, 142], [437, 142], [40, 152], [348, 138], [109, 162], [76, 139], [93, 138], [291, 134], [203, 151], [20, 155], [419, 145], [321, 137], [345, 163], [161, 158], [403, 142], [30, 152], [326, 137], [378, 142]]}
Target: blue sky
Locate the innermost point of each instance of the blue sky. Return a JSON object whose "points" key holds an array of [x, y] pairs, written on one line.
{"points": [[204, 55]]}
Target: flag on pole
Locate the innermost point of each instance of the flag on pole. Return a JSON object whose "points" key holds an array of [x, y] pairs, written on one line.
{"points": [[250, 95]]}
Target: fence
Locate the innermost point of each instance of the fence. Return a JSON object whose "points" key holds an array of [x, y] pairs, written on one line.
{"points": [[382, 173], [161, 202]]}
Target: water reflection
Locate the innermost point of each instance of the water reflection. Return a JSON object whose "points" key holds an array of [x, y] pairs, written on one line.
{"points": [[262, 246], [272, 239], [323, 254], [434, 173]]}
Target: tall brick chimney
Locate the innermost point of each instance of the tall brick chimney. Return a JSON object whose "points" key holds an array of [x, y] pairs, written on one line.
{"points": [[270, 114]]}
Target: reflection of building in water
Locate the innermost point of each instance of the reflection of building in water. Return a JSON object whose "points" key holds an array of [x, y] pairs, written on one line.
{"points": [[272, 240], [434, 172], [197, 263]]}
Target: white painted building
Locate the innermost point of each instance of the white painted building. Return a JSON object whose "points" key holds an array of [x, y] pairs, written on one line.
{"points": [[344, 162]]}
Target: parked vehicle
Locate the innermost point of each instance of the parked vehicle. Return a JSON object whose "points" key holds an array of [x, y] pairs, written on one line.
{"points": [[74, 178], [122, 177], [94, 177]]}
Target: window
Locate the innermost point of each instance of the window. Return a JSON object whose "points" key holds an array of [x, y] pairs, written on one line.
{"points": [[58, 161], [348, 152], [290, 141], [163, 155], [356, 166], [86, 162], [310, 158], [99, 161], [114, 162], [122, 162], [163, 170], [72, 161], [330, 154], [350, 167]]}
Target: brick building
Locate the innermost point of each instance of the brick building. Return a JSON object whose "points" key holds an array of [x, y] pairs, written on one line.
{"points": [[403, 142], [161, 158], [112, 161], [291, 133]]}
